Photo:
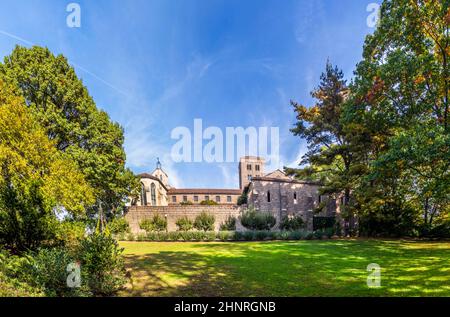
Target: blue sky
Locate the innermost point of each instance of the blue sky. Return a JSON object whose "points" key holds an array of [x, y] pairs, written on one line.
{"points": [[155, 65]]}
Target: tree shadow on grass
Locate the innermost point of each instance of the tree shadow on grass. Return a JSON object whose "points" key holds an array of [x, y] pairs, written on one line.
{"points": [[300, 268]]}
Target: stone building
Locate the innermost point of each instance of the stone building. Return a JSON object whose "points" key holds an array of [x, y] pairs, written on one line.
{"points": [[249, 167], [156, 191], [273, 192], [284, 196], [197, 196]]}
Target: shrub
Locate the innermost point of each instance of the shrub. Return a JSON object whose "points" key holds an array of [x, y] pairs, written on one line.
{"points": [[186, 235], [208, 203], [226, 235], [119, 226], [102, 264], [204, 222], [157, 223], [292, 223], [254, 220], [48, 270], [184, 224], [186, 203], [261, 235], [238, 236], [283, 235], [321, 223], [318, 234], [248, 235], [295, 235], [15, 277], [229, 224], [12, 287], [174, 236], [209, 236]]}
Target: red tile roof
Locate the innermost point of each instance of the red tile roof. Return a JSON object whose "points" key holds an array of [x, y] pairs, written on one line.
{"points": [[204, 191]]}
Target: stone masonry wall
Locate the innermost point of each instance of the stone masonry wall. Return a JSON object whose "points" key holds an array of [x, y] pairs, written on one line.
{"points": [[136, 214]]}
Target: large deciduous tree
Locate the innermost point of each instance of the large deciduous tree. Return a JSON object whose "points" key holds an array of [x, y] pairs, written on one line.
{"points": [[36, 179], [60, 103], [400, 100]]}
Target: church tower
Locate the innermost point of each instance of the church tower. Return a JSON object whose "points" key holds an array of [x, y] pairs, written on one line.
{"points": [[159, 173], [250, 166]]}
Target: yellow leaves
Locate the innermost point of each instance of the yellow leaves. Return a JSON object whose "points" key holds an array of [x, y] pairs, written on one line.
{"points": [[27, 156], [419, 79]]}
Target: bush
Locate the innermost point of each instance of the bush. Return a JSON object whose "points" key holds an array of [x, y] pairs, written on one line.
{"points": [[261, 235], [15, 277], [184, 224], [186, 235], [118, 226], [321, 223], [11, 287], [102, 264], [292, 223], [186, 203], [208, 203], [248, 235], [48, 270], [204, 222], [283, 235], [229, 224], [226, 235], [254, 220], [157, 223]]}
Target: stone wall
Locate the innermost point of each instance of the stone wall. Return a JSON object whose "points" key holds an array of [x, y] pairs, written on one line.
{"points": [[288, 199], [136, 214]]}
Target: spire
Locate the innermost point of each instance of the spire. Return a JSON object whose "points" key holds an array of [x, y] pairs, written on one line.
{"points": [[158, 163]]}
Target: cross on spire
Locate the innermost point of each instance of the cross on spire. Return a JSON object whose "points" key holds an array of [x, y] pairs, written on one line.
{"points": [[158, 163]]}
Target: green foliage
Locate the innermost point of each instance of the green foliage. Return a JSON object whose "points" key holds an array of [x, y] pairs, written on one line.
{"points": [[35, 179], [186, 203], [61, 104], [243, 199], [13, 279], [69, 234], [292, 223], [156, 223], [323, 222], [48, 270], [184, 224], [204, 222], [229, 224], [102, 264], [226, 235], [118, 226], [383, 141], [208, 203], [257, 220]]}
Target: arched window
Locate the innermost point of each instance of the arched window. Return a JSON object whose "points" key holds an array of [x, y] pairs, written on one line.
{"points": [[143, 195], [153, 193], [268, 196]]}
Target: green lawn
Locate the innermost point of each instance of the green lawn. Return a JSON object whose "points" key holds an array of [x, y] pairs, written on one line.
{"points": [[300, 268]]}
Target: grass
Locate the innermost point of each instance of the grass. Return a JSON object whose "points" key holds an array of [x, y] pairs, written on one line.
{"points": [[299, 268]]}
